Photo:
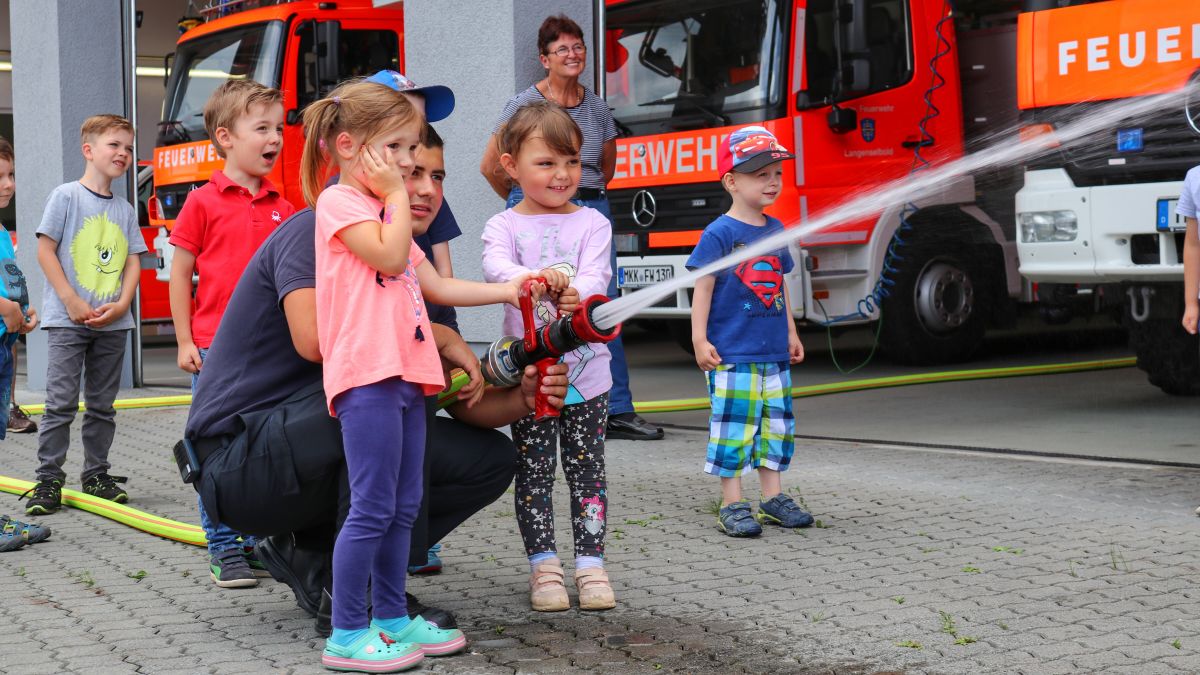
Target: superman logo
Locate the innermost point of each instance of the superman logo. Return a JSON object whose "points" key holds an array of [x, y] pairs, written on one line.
{"points": [[763, 276]]}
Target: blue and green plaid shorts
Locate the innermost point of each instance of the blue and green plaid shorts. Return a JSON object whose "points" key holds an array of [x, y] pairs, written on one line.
{"points": [[752, 424]]}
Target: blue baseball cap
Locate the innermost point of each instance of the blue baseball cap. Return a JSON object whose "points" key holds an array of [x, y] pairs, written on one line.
{"points": [[439, 100]]}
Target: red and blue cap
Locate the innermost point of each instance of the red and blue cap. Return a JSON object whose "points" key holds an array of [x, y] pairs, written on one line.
{"points": [[749, 149], [439, 100]]}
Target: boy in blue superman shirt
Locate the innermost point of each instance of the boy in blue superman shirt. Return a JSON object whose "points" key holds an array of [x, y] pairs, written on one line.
{"points": [[745, 339]]}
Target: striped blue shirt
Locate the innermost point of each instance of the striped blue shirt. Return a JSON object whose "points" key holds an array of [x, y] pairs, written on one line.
{"points": [[594, 120]]}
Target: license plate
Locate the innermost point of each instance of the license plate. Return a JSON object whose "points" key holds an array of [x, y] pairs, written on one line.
{"points": [[636, 277], [1168, 220]]}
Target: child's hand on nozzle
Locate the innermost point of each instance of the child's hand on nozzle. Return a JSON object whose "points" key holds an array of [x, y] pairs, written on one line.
{"points": [[1190, 316], [568, 301], [381, 175], [706, 355], [795, 349], [556, 281], [536, 289]]}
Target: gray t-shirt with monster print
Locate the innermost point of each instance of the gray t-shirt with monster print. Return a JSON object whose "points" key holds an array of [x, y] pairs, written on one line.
{"points": [[95, 235]]}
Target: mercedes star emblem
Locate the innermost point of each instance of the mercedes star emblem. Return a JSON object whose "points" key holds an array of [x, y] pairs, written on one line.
{"points": [[644, 208]]}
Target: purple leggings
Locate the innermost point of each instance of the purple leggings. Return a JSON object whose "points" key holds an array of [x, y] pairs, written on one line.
{"points": [[383, 429]]}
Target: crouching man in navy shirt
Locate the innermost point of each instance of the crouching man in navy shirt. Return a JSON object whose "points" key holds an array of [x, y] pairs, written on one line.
{"points": [[271, 457]]}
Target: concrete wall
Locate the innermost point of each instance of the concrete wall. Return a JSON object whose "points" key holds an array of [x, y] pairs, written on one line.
{"points": [[486, 51], [62, 74]]}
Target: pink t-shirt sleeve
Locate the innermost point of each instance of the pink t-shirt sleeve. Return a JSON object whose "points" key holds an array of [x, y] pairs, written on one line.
{"points": [[339, 207]]}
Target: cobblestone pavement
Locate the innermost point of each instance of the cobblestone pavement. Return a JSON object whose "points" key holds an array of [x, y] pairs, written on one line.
{"points": [[923, 561]]}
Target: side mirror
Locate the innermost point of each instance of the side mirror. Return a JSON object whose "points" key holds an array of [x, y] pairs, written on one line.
{"points": [[842, 120]]}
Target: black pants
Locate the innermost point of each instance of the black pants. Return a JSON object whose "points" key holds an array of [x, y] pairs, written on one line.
{"points": [[286, 472]]}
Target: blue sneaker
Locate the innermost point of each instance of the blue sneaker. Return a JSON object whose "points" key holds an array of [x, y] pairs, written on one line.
{"points": [[433, 564], [782, 511], [11, 538], [31, 532], [735, 520]]}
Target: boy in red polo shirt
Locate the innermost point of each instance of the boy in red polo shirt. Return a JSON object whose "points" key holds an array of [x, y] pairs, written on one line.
{"points": [[219, 228]]}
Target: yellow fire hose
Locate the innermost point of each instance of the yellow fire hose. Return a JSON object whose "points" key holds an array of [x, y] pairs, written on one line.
{"points": [[194, 535]]}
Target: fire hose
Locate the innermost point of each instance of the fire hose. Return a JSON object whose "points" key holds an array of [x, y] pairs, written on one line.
{"points": [[503, 365]]}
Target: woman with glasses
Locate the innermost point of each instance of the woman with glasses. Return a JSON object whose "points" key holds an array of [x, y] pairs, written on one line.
{"points": [[564, 56]]}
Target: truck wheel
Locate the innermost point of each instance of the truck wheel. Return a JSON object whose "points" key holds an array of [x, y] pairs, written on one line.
{"points": [[1169, 355], [938, 308], [681, 332]]}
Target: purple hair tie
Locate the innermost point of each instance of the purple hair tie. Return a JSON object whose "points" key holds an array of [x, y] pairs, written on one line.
{"points": [[337, 100]]}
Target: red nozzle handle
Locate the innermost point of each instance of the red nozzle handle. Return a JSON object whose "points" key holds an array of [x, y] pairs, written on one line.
{"points": [[541, 402], [525, 296]]}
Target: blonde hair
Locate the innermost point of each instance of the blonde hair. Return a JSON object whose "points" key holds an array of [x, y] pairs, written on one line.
{"points": [[357, 107], [99, 124], [545, 120], [230, 101]]}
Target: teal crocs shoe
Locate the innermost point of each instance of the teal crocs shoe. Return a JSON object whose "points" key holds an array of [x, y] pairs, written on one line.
{"points": [[432, 640], [374, 652]]}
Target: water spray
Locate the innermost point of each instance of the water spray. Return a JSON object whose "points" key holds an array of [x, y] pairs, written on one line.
{"points": [[507, 357], [913, 188]]}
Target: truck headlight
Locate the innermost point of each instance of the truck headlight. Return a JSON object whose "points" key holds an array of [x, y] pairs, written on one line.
{"points": [[1042, 226]]}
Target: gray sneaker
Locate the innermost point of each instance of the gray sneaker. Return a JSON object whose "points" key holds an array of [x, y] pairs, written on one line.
{"points": [[229, 569]]}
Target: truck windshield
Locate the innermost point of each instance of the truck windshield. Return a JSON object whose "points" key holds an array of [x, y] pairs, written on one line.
{"points": [[693, 64], [203, 64]]}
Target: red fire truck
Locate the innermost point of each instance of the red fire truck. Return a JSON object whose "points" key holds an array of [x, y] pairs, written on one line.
{"points": [[303, 48], [843, 83], [1098, 218]]}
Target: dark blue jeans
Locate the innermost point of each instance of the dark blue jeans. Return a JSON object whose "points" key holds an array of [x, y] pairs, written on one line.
{"points": [[620, 399], [220, 537]]}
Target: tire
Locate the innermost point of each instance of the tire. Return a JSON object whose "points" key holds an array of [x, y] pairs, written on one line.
{"points": [[1168, 354], [939, 306], [681, 332]]}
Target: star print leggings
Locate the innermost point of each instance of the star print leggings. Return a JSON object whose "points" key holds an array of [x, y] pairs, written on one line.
{"points": [[580, 430]]}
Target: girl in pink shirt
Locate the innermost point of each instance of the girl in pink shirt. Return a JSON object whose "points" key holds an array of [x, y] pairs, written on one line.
{"points": [[379, 361], [569, 244]]}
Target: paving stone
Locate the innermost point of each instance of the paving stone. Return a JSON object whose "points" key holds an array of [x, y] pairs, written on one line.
{"points": [[691, 600]]}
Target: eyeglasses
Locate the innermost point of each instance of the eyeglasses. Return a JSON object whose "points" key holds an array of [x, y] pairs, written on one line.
{"points": [[578, 48]]}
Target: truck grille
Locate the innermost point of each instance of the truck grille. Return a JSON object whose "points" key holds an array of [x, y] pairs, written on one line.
{"points": [[171, 197], [1170, 149], [676, 208]]}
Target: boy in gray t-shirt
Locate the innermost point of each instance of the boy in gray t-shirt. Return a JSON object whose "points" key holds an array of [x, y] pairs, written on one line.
{"points": [[88, 247]]}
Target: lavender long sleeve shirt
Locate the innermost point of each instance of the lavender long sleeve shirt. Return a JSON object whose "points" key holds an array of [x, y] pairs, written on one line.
{"points": [[576, 243]]}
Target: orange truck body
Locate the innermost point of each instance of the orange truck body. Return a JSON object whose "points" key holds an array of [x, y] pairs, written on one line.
{"points": [[191, 163]]}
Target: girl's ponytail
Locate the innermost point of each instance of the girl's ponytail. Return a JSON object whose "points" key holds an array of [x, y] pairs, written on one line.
{"points": [[362, 108], [320, 118]]}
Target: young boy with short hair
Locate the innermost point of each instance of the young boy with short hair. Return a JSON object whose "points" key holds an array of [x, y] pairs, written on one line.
{"points": [[745, 339], [219, 228], [18, 317], [89, 249]]}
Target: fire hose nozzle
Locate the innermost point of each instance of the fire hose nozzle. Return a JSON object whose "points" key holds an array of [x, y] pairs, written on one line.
{"points": [[506, 358]]}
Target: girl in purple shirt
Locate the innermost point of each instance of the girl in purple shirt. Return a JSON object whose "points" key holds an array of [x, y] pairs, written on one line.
{"points": [[568, 244]]}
